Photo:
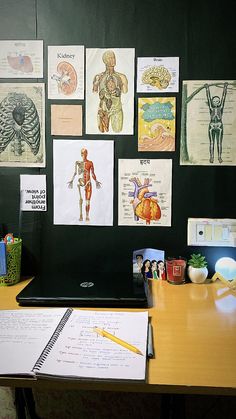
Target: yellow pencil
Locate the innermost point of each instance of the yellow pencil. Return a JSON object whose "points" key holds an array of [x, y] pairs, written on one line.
{"points": [[121, 342]]}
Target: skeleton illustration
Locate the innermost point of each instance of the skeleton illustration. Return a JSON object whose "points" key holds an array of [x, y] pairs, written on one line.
{"points": [[83, 169], [19, 122]]}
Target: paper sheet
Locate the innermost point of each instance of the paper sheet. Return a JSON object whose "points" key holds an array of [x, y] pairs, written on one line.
{"points": [[22, 125], [66, 120], [83, 184], [156, 124], [23, 335], [145, 192], [33, 192], [21, 59], [80, 352], [109, 91], [157, 74], [208, 125], [66, 72]]}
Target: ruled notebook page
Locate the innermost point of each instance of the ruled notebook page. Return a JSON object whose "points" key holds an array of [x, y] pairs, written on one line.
{"points": [[24, 334], [80, 352]]}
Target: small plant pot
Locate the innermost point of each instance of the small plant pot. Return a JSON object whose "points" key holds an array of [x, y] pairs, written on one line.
{"points": [[197, 275]]}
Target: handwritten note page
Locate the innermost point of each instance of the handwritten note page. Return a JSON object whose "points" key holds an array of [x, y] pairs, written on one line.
{"points": [[81, 352], [23, 336]]}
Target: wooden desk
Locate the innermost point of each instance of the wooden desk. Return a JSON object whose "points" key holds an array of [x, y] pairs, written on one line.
{"points": [[194, 328]]}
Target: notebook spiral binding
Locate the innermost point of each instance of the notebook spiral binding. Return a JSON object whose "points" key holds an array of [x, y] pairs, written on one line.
{"points": [[52, 340]]}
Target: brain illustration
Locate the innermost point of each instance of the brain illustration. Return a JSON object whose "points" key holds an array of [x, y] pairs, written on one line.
{"points": [[157, 76]]}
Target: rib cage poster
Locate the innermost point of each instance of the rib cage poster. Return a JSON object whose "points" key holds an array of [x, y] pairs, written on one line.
{"points": [[22, 125], [83, 182], [145, 188], [208, 125], [110, 91]]}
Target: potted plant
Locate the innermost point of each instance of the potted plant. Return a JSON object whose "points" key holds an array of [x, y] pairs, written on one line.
{"points": [[197, 268]]}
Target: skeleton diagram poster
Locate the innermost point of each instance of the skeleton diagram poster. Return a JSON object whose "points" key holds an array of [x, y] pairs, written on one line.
{"points": [[110, 91], [208, 125], [22, 125], [156, 124], [83, 182], [145, 192], [66, 72]]}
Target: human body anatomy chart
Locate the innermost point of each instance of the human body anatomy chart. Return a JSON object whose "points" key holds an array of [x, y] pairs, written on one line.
{"points": [[83, 182], [208, 126], [145, 192], [109, 91]]}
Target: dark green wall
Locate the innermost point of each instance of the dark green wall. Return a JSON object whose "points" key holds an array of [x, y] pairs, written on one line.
{"points": [[202, 34]]}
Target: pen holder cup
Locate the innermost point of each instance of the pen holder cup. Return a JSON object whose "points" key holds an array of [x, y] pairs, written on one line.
{"points": [[13, 251]]}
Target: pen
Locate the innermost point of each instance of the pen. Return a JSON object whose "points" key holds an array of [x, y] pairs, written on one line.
{"points": [[150, 351], [121, 342]]}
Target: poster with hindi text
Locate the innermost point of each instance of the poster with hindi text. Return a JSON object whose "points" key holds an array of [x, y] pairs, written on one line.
{"points": [[145, 192]]}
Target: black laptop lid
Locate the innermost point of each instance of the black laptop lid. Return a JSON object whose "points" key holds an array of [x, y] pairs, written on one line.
{"points": [[85, 290]]}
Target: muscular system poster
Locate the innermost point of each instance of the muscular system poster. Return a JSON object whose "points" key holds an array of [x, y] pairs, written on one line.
{"points": [[145, 192], [83, 182], [109, 91]]}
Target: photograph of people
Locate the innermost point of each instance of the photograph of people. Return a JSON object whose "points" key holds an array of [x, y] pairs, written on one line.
{"points": [[146, 269], [161, 273]]}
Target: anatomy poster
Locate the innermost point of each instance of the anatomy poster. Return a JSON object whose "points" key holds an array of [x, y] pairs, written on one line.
{"points": [[83, 182], [156, 124], [110, 91], [208, 125], [158, 74], [22, 125], [21, 59], [145, 192], [66, 72]]}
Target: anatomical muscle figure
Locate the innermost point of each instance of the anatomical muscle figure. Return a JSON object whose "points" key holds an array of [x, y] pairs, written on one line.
{"points": [[84, 169], [110, 84]]}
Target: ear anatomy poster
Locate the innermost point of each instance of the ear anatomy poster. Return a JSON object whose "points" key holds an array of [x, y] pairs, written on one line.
{"points": [[157, 74], [208, 123], [156, 124], [145, 192], [66, 72], [22, 125], [83, 182], [109, 91]]}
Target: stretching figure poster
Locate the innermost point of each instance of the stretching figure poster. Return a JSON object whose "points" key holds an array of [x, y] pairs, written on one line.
{"points": [[208, 125]]}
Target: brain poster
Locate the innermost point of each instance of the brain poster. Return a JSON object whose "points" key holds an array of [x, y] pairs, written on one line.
{"points": [[145, 192]]}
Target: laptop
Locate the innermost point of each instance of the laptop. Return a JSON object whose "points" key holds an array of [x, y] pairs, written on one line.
{"points": [[86, 290]]}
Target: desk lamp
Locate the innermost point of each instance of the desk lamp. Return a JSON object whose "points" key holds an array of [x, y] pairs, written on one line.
{"points": [[225, 271]]}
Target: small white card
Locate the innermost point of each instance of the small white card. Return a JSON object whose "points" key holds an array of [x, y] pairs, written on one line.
{"points": [[33, 193]]}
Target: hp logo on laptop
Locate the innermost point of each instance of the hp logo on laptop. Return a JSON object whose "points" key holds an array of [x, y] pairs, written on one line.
{"points": [[87, 284]]}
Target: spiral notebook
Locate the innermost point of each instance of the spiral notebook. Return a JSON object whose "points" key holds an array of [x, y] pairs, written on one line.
{"points": [[66, 344]]}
